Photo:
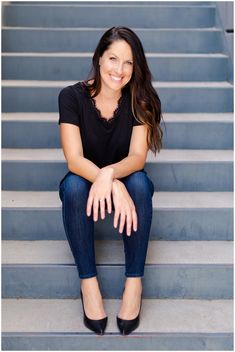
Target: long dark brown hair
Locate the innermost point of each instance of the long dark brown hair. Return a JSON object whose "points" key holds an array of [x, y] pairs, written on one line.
{"points": [[145, 102]]}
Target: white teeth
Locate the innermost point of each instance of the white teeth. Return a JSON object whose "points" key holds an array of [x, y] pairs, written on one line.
{"points": [[116, 78]]}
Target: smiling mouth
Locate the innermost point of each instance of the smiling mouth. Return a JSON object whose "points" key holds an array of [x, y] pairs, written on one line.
{"points": [[117, 79]]}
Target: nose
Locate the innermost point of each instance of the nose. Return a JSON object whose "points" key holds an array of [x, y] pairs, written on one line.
{"points": [[119, 68]]}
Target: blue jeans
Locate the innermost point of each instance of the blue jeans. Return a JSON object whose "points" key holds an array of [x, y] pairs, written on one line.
{"points": [[79, 228]]}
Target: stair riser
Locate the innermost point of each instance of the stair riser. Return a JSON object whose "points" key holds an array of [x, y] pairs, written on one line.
{"points": [[70, 68], [109, 16], [169, 224], [189, 135], [157, 342], [177, 99], [160, 281], [176, 177], [171, 41]]}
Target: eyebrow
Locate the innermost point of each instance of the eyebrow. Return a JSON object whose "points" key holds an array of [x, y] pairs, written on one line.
{"points": [[118, 57]]}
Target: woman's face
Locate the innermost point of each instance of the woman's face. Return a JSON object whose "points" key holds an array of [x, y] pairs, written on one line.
{"points": [[116, 65]]}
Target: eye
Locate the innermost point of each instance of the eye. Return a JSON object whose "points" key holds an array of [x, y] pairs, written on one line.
{"points": [[112, 58], [130, 63]]}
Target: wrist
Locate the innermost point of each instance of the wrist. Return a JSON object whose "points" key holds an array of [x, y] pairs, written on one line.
{"points": [[108, 171]]}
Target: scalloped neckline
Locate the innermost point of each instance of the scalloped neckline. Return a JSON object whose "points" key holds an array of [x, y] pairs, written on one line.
{"points": [[107, 120]]}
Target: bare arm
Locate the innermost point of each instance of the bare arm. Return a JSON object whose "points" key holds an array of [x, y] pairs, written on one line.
{"points": [[73, 152], [137, 154]]}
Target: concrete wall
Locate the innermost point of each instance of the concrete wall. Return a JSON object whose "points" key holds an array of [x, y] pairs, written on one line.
{"points": [[224, 18]]}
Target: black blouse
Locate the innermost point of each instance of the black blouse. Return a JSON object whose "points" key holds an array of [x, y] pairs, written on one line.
{"points": [[104, 141]]}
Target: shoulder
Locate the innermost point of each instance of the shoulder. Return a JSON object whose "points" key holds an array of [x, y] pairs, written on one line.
{"points": [[72, 92]]}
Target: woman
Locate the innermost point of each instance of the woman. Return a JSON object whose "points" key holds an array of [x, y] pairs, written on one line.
{"points": [[107, 125]]}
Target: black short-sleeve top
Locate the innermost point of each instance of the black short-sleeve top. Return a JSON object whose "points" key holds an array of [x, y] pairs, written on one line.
{"points": [[104, 141]]}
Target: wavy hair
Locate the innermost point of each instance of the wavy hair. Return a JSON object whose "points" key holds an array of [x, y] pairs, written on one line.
{"points": [[145, 102]]}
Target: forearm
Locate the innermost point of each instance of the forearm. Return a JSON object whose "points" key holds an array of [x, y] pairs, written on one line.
{"points": [[84, 168], [87, 169], [127, 166]]}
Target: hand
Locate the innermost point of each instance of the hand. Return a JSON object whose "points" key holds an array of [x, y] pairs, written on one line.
{"points": [[124, 208], [99, 192]]}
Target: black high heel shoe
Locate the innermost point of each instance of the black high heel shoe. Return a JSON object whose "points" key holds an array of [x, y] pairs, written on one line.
{"points": [[127, 326], [97, 326]]}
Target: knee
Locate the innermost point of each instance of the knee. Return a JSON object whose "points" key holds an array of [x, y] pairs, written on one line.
{"points": [[139, 183], [74, 188]]}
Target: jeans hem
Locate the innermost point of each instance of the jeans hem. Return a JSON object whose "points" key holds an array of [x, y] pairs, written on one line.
{"points": [[134, 275], [87, 276]]}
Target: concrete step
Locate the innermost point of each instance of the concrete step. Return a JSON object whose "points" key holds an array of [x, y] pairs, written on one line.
{"points": [[62, 66], [173, 40], [42, 96], [171, 170], [175, 325], [187, 131], [46, 269], [143, 3], [109, 15], [176, 216]]}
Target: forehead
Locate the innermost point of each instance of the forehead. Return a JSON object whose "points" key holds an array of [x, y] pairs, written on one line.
{"points": [[120, 48]]}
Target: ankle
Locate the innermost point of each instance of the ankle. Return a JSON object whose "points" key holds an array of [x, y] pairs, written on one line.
{"points": [[90, 282], [133, 283]]}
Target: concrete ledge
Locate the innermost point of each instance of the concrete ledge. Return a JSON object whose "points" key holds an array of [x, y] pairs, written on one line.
{"points": [[111, 252], [168, 117], [196, 281], [115, 342], [171, 316], [165, 156], [161, 200]]}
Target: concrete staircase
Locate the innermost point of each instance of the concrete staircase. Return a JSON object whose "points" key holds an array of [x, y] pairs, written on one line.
{"points": [[188, 283]]}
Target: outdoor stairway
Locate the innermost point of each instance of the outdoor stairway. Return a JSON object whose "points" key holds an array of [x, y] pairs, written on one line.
{"points": [[188, 282]]}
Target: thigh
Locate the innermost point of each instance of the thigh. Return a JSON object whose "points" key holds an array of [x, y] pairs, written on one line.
{"points": [[138, 183], [74, 186]]}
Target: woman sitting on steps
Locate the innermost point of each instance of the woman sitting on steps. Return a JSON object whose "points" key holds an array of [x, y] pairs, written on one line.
{"points": [[108, 123]]}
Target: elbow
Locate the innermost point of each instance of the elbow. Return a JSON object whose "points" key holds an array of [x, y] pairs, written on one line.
{"points": [[141, 162], [73, 163], [70, 166]]}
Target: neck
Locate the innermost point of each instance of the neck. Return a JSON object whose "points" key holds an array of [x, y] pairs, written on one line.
{"points": [[109, 94]]}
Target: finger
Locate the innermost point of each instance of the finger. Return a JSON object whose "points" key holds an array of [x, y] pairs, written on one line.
{"points": [[109, 204], [128, 223], [102, 208], [134, 220], [95, 209], [116, 217], [122, 222], [89, 205]]}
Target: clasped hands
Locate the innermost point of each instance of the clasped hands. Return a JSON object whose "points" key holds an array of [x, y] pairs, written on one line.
{"points": [[100, 192]]}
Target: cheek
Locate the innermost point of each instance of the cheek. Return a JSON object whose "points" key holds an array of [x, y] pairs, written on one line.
{"points": [[107, 66], [129, 72]]}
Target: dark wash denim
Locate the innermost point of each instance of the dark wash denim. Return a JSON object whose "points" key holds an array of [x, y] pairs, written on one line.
{"points": [[79, 228]]}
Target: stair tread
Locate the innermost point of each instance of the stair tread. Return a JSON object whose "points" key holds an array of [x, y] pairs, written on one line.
{"points": [[166, 155], [156, 84], [109, 5], [170, 316], [161, 200], [109, 252], [168, 117], [76, 29], [90, 54]]}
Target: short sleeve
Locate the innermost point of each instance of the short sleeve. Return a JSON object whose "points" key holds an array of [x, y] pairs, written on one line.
{"points": [[68, 107], [136, 123]]}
